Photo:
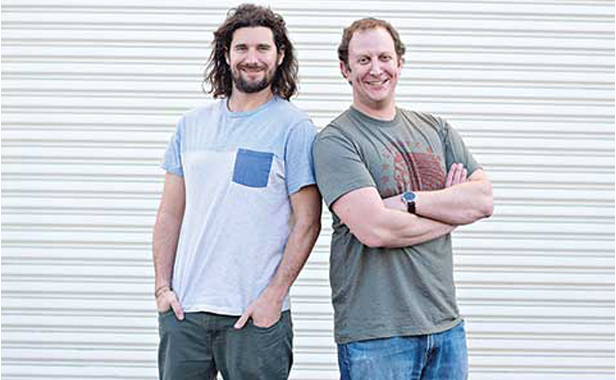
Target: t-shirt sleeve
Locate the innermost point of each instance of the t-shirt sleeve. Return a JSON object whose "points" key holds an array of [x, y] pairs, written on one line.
{"points": [[338, 166], [455, 149], [172, 162], [299, 168]]}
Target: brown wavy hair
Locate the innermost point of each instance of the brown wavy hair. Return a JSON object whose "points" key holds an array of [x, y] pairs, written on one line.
{"points": [[365, 24], [218, 72]]}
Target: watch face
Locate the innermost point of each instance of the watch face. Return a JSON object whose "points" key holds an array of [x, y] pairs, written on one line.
{"points": [[409, 196]]}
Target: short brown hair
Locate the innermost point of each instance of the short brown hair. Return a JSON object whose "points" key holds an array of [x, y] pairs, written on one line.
{"points": [[365, 24], [218, 72]]}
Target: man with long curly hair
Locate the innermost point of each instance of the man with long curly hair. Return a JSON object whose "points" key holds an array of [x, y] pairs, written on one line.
{"points": [[239, 213]]}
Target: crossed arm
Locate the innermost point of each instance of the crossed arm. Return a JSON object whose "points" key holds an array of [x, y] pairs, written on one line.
{"points": [[378, 222]]}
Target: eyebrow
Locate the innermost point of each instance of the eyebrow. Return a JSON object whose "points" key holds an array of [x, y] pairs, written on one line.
{"points": [[259, 45]]}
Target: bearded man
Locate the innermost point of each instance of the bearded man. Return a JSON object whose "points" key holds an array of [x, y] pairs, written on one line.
{"points": [[239, 213]]}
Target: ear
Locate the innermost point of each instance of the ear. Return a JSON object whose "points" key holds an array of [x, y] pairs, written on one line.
{"points": [[227, 57], [344, 70], [280, 57]]}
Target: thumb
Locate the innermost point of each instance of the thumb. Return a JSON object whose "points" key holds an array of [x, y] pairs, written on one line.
{"points": [[242, 321], [177, 309]]}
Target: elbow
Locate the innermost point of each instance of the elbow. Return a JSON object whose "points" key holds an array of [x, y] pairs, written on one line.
{"points": [[311, 228], [372, 236], [483, 206], [487, 207], [371, 241], [315, 228]]}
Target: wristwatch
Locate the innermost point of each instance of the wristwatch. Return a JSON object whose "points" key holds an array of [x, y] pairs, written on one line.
{"points": [[409, 198]]}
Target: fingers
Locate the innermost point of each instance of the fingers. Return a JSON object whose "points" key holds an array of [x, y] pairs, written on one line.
{"points": [[177, 309], [162, 302], [168, 300], [457, 177], [242, 321], [457, 174], [449, 181]]}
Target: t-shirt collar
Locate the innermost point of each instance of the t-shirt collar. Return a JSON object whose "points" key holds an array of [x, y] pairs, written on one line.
{"points": [[374, 121]]}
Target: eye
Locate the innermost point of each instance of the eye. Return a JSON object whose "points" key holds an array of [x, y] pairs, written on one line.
{"points": [[363, 60], [264, 48], [240, 48], [386, 58]]}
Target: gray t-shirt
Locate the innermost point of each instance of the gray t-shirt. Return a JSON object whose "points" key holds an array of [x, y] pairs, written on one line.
{"points": [[239, 169], [386, 292]]}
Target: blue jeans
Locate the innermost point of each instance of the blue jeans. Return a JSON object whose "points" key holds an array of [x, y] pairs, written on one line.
{"points": [[440, 356]]}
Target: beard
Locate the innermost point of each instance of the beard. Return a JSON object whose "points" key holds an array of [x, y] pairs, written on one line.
{"points": [[251, 87]]}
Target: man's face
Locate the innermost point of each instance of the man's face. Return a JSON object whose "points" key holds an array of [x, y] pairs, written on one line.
{"points": [[374, 68], [253, 59]]}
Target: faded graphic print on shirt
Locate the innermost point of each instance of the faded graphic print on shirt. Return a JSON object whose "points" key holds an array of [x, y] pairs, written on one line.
{"points": [[410, 166]]}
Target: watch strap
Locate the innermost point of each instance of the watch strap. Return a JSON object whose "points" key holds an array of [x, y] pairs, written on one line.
{"points": [[410, 207]]}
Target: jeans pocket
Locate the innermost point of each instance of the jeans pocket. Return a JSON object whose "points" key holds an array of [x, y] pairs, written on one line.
{"points": [[164, 314], [266, 329], [252, 168]]}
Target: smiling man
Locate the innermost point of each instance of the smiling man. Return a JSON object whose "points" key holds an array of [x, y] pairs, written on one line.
{"points": [[398, 183], [239, 213]]}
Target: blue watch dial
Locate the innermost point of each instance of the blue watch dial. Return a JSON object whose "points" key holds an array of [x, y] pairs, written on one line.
{"points": [[409, 196]]}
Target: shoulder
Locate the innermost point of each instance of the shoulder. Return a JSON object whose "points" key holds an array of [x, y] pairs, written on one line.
{"points": [[425, 120], [420, 117], [344, 120], [338, 127], [196, 115], [288, 113]]}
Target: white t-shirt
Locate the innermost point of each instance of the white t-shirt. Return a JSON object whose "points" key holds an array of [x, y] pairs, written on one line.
{"points": [[239, 170]]}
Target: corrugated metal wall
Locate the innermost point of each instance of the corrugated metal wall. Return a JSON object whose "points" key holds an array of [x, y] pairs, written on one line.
{"points": [[90, 94]]}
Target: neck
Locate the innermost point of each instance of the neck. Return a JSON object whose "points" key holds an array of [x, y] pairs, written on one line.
{"points": [[241, 101], [385, 112]]}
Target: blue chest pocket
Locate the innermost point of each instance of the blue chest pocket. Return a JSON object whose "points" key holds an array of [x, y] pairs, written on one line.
{"points": [[252, 168]]}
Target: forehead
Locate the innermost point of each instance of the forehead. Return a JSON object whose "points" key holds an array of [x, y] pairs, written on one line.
{"points": [[253, 36], [371, 41]]}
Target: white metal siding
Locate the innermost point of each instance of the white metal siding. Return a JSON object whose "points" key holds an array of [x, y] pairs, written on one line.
{"points": [[90, 94]]}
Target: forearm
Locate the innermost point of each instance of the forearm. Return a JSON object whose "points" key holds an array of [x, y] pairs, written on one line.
{"points": [[164, 245], [301, 241], [463, 203], [394, 229]]}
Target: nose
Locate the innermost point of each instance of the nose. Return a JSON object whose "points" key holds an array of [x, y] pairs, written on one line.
{"points": [[375, 68], [251, 56]]}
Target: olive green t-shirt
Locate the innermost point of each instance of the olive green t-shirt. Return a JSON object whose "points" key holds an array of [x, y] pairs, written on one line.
{"points": [[386, 292]]}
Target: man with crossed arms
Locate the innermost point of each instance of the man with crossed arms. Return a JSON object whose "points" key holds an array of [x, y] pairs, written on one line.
{"points": [[383, 172]]}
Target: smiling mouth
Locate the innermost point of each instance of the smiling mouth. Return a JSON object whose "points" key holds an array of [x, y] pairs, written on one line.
{"points": [[252, 70], [377, 83]]}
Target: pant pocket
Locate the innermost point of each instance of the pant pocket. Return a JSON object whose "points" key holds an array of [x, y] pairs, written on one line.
{"points": [[260, 353]]}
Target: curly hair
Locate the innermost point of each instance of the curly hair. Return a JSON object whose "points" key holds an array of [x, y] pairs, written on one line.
{"points": [[365, 24], [218, 73]]}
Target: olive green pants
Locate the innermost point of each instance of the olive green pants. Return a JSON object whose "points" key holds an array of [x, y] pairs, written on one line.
{"points": [[204, 344]]}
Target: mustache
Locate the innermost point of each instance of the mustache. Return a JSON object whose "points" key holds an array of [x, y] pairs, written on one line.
{"points": [[251, 66]]}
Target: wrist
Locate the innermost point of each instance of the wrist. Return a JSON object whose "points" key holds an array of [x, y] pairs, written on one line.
{"points": [[276, 294], [161, 290], [409, 199]]}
